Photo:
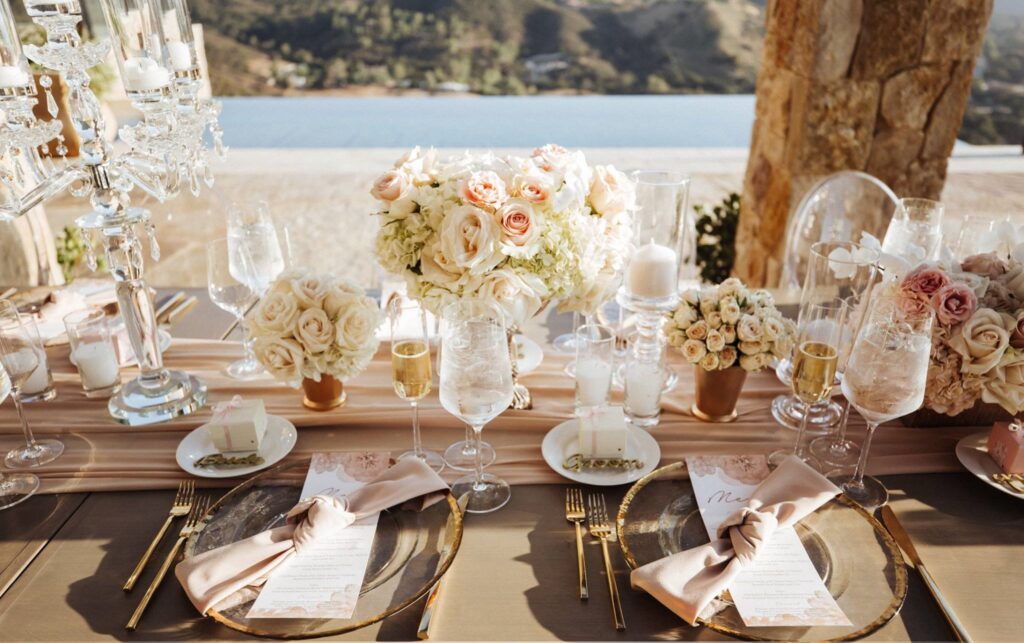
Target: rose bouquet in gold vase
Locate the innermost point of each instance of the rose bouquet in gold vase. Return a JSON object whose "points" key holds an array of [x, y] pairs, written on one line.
{"points": [[315, 331], [727, 331], [977, 357]]}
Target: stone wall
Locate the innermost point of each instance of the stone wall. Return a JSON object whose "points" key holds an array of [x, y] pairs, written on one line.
{"points": [[873, 85]]}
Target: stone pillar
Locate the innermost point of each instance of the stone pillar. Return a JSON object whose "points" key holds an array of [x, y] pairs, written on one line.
{"points": [[873, 85]]}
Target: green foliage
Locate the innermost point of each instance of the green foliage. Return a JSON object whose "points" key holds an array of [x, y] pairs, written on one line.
{"points": [[71, 248], [995, 112], [716, 238]]}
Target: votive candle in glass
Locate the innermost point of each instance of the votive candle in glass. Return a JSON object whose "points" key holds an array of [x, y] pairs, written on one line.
{"points": [[93, 351], [595, 355]]}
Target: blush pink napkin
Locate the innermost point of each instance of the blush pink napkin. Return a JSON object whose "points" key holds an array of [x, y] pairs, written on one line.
{"points": [[218, 578], [689, 581]]}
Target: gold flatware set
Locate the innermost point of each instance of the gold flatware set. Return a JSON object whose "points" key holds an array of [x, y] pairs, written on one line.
{"points": [[1012, 481], [594, 511], [575, 514]]}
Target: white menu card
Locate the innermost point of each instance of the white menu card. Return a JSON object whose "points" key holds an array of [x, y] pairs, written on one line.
{"points": [[782, 587], [323, 581]]}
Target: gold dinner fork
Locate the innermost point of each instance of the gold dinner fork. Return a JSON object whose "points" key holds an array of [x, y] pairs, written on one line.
{"points": [[601, 528], [575, 514], [180, 507], [191, 525], [1013, 481]]}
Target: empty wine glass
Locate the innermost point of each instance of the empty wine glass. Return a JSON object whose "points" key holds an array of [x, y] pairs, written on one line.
{"points": [[410, 367], [20, 350], [476, 387], [257, 255], [916, 228], [14, 487], [815, 357], [235, 297], [885, 379]]}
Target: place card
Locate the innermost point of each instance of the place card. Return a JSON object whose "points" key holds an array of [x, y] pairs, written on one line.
{"points": [[323, 581], [782, 587]]}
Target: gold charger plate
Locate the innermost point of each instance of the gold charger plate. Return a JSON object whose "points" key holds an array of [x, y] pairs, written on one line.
{"points": [[859, 561], [408, 556]]}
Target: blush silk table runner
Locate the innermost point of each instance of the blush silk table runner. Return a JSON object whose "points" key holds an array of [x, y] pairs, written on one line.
{"points": [[102, 455]]}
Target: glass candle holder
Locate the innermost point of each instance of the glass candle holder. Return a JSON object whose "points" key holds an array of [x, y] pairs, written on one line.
{"points": [[660, 230], [39, 385], [93, 351], [595, 359], [14, 72], [138, 42], [179, 40]]}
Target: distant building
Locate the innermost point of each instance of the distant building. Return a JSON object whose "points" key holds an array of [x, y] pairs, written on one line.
{"points": [[451, 86], [542, 66]]}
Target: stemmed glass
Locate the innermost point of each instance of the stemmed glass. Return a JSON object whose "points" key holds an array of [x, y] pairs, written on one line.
{"points": [[885, 379], [917, 223], [20, 348], [14, 487], [815, 358], [257, 255], [476, 387], [410, 367], [235, 297]]}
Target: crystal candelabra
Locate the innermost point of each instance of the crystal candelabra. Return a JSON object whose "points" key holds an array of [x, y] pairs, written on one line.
{"points": [[155, 51]]}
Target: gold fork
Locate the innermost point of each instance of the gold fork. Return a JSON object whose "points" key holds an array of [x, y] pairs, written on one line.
{"points": [[191, 525], [182, 504], [575, 514], [1013, 481], [600, 527]]}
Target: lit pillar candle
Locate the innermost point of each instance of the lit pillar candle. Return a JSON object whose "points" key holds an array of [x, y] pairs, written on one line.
{"points": [[180, 56], [143, 74], [643, 383], [593, 381], [653, 271], [97, 364]]}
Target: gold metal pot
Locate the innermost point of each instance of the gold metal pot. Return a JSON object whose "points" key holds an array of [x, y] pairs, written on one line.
{"points": [[328, 393], [716, 393]]}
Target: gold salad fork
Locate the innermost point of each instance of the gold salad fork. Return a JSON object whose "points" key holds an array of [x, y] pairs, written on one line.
{"points": [[601, 528], [575, 514], [191, 525], [1013, 481], [180, 507]]}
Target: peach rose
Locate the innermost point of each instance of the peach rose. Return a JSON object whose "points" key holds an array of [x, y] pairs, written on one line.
{"points": [[390, 186], [982, 340], [694, 350], [518, 225], [550, 156], [483, 189], [534, 188], [727, 357], [715, 341], [698, 330], [710, 362]]}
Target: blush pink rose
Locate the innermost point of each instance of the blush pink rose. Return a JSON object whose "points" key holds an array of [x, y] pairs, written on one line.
{"points": [[483, 189], [911, 306], [535, 189], [390, 186], [517, 222], [550, 156], [925, 280], [954, 304], [988, 264]]}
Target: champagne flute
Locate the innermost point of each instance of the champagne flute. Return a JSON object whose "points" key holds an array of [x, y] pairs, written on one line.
{"points": [[20, 351], [410, 367], [885, 379], [476, 387], [235, 297], [815, 359], [14, 487]]}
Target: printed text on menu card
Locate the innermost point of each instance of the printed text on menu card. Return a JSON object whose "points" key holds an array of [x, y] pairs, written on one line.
{"points": [[324, 581], [782, 588]]}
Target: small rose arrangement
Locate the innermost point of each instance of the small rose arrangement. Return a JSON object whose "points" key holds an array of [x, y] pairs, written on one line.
{"points": [[978, 333], [310, 325], [515, 231], [720, 326]]}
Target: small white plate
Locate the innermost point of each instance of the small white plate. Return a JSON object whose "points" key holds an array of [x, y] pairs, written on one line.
{"points": [[278, 442], [530, 354], [972, 452], [562, 441]]}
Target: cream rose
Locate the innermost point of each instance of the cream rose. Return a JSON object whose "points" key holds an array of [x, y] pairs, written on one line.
{"points": [[519, 296], [611, 192], [518, 222], [684, 316], [731, 287], [749, 329], [982, 340], [730, 310], [710, 362], [437, 267], [727, 357], [694, 350], [751, 348], [714, 319], [753, 362], [356, 327], [470, 238], [729, 333], [309, 291], [715, 341], [483, 189], [773, 327], [340, 294], [275, 314], [281, 357], [314, 330], [550, 157], [698, 330], [1005, 385], [390, 186]]}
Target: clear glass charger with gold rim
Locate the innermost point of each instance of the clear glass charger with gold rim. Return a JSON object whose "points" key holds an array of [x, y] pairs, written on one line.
{"points": [[859, 561], [411, 551]]}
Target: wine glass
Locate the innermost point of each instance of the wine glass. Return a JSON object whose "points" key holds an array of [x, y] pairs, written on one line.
{"points": [[20, 351], [410, 367], [461, 455], [235, 297], [885, 379], [256, 253], [815, 358], [916, 224], [14, 487], [476, 387]]}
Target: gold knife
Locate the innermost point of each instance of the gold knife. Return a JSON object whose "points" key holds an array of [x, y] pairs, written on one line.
{"points": [[902, 538], [166, 305], [430, 607], [179, 311]]}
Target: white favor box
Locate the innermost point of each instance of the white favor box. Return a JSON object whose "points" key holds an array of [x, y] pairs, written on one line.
{"points": [[603, 433], [239, 428]]}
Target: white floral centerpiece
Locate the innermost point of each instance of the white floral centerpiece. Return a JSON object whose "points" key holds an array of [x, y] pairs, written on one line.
{"points": [[516, 231], [308, 326], [721, 326]]}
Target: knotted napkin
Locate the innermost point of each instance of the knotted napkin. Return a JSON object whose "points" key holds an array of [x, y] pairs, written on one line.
{"points": [[218, 578], [689, 581]]}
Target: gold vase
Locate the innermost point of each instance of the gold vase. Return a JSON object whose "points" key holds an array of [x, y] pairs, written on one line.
{"points": [[327, 394], [716, 393]]}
